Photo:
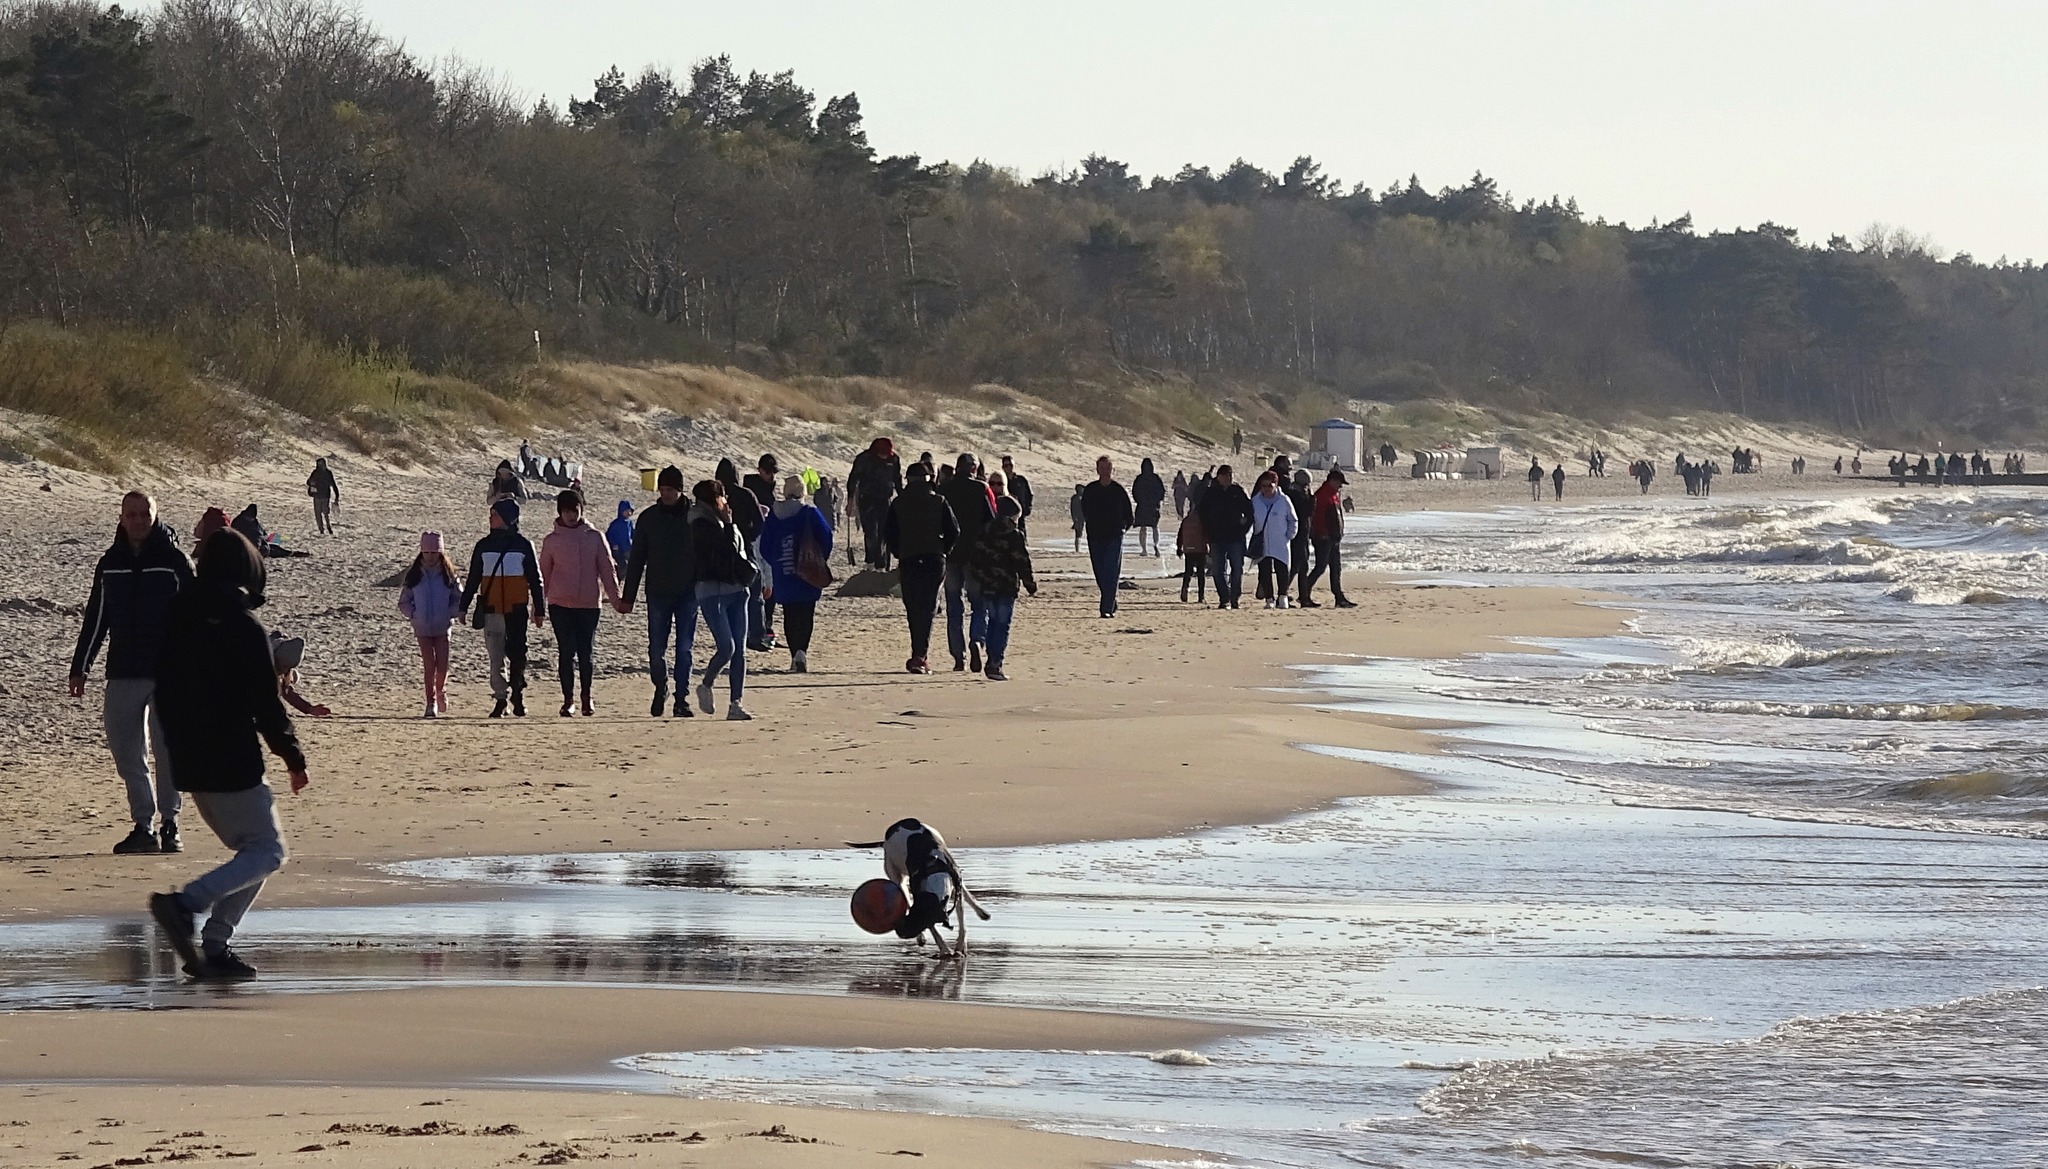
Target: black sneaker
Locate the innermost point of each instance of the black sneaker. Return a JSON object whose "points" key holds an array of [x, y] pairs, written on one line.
{"points": [[225, 966], [142, 840], [518, 705], [176, 921], [974, 658], [682, 707], [660, 703], [167, 838], [498, 709], [1346, 603]]}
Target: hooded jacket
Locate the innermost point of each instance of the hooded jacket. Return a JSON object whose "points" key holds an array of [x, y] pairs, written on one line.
{"points": [[744, 504], [919, 524], [504, 570], [575, 562], [132, 589], [663, 551], [619, 534], [788, 524], [1226, 513], [974, 508], [216, 692], [1148, 491]]}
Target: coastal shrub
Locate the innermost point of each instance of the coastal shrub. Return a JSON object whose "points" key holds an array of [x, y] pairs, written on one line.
{"points": [[119, 387]]}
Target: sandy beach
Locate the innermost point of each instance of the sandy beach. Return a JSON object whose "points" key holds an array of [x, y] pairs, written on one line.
{"points": [[1169, 717]]}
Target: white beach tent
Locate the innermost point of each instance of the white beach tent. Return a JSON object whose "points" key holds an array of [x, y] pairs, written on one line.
{"points": [[1339, 443]]}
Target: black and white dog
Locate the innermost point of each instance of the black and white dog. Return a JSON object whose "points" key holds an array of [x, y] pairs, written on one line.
{"points": [[915, 857]]}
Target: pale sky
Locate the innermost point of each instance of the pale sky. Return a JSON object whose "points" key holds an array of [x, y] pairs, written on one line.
{"points": [[1821, 115]]}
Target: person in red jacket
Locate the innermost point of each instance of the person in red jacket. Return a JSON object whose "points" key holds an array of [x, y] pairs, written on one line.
{"points": [[1325, 537]]}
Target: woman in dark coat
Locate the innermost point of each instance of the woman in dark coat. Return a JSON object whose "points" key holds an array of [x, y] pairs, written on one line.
{"points": [[1148, 493]]}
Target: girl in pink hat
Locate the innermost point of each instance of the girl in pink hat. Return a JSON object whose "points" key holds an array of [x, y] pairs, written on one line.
{"points": [[431, 598]]}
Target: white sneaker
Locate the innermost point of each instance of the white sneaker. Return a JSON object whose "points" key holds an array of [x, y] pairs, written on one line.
{"points": [[734, 714], [1280, 602], [800, 662], [704, 697]]}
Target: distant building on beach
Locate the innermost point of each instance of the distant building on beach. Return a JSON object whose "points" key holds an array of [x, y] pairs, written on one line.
{"points": [[1334, 442]]}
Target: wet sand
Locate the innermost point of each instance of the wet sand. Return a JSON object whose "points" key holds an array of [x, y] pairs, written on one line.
{"points": [[1169, 717]]}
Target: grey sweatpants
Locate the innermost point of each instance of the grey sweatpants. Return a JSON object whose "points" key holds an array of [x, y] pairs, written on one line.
{"points": [[245, 821], [133, 734]]}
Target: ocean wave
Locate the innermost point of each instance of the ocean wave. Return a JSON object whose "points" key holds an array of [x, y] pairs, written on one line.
{"points": [[1945, 594], [1711, 654], [1912, 712], [1970, 787]]}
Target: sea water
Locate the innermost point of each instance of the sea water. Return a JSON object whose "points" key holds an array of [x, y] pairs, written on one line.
{"points": [[1659, 908]]}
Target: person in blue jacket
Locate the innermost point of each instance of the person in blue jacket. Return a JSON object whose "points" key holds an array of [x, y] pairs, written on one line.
{"points": [[620, 533], [792, 525]]}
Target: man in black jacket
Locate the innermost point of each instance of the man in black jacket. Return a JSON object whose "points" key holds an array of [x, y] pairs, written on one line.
{"points": [[326, 493], [1106, 512], [663, 554], [1296, 490], [132, 589], [974, 509], [1020, 490], [874, 481], [503, 568], [920, 531], [1226, 516], [220, 694]]}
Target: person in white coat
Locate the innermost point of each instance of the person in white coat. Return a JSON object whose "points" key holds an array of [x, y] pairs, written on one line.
{"points": [[1274, 524]]}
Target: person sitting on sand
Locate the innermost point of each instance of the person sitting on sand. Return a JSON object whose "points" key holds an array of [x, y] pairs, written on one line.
{"points": [[505, 484], [220, 705]]}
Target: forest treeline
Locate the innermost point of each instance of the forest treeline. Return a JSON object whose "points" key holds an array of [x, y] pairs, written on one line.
{"points": [[270, 187]]}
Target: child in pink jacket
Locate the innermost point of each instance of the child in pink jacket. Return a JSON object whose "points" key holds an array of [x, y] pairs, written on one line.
{"points": [[432, 599]]}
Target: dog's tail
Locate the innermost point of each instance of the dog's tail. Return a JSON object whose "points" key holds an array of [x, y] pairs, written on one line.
{"points": [[866, 844]]}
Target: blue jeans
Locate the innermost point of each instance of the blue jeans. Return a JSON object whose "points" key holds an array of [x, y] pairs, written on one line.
{"points": [[992, 624], [678, 612], [1227, 554], [725, 615], [960, 602], [760, 615], [1106, 555]]}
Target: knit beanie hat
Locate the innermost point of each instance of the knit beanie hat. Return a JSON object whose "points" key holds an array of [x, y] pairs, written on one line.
{"points": [[671, 476], [507, 510], [430, 541]]}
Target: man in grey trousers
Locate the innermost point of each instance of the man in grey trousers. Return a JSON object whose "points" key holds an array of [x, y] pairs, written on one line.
{"points": [[128, 611]]}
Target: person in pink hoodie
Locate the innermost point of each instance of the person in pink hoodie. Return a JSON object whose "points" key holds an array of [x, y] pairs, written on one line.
{"points": [[430, 598], [576, 562]]}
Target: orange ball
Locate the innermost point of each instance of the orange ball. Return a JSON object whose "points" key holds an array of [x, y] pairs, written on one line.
{"points": [[878, 905]]}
